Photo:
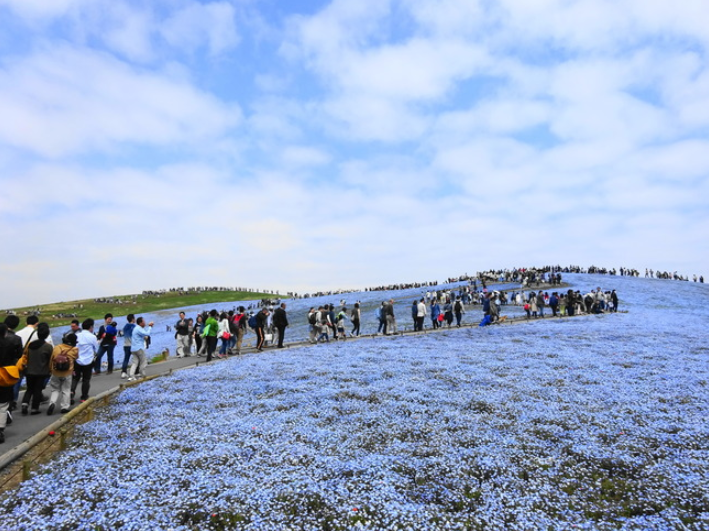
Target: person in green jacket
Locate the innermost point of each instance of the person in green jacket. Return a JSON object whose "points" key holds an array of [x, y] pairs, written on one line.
{"points": [[211, 326]]}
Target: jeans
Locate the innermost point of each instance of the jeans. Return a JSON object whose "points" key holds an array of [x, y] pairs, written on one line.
{"points": [[126, 358], [224, 346], [108, 349]]}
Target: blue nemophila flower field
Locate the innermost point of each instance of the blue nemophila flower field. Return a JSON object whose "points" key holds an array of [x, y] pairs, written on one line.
{"points": [[595, 422]]}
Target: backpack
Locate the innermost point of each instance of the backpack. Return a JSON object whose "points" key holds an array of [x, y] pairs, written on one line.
{"points": [[234, 324], [458, 306], [252, 321], [61, 362], [312, 318]]}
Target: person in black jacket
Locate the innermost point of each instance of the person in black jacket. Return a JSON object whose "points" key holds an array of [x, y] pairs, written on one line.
{"points": [[10, 352], [261, 322], [280, 321]]}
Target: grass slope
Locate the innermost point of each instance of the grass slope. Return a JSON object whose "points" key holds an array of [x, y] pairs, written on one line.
{"points": [[141, 304]]}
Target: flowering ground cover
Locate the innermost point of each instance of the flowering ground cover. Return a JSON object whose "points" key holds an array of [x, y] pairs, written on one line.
{"points": [[595, 422]]}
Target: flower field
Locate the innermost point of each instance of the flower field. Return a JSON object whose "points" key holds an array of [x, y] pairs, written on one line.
{"points": [[595, 422]]}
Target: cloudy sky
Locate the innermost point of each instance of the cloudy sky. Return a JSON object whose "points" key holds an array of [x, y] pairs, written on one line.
{"points": [[303, 145]]}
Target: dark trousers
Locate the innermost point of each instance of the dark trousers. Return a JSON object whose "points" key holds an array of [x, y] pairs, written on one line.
{"points": [[355, 328], [382, 326], [108, 349], [211, 346], [35, 384], [82, 373], [126, 358], [260, 338], [458, 317], [281, 335]]}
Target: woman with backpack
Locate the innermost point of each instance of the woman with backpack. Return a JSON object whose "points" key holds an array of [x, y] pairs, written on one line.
{"points": [[61, 366]]}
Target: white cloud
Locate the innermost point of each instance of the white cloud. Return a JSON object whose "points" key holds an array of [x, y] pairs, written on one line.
{"points": [[296, 156], [196, 25], [67, 100], [32, 9]]}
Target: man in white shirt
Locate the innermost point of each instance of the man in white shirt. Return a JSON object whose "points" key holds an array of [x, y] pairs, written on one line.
{"points": [[88, 346], [30, 329]]}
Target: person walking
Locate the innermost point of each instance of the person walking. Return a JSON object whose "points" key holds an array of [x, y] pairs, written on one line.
{"points": [[61, 366], [390, 318], [211, 328], [127, 336], [458, 311], [280, 321], [37, 369], [224, 334], [182, 335], [420, 314], [139, 360], [87, 345], [355, 317], [261, 323], [10, 353], [435, 312], [199, 343], [107, 334]]}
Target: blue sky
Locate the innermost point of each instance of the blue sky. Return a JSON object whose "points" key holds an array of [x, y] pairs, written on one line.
{"points": [[321, 145]]}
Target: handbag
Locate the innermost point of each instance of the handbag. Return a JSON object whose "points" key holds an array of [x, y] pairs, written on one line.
{"points": [[226, 335], [11, 374]]}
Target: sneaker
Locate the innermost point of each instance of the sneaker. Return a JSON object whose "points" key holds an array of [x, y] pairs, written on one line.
{"points": [[131, 379], [83, 400], [9, 418], [124, 375], [109, 372], [25, 409], [50, 409], [64, 411], [35, 412]]}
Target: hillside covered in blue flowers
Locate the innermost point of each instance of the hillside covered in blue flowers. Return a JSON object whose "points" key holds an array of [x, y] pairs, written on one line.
{"points": [[591, 422]]}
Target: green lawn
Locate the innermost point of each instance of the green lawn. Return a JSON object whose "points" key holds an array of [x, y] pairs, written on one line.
{"points": [[135, 304]]}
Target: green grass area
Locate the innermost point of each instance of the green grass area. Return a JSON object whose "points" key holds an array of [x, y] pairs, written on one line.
{"points": [[136, 304]]}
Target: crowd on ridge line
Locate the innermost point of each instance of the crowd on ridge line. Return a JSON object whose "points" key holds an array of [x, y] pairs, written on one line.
{"points": [[501, 275]]}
